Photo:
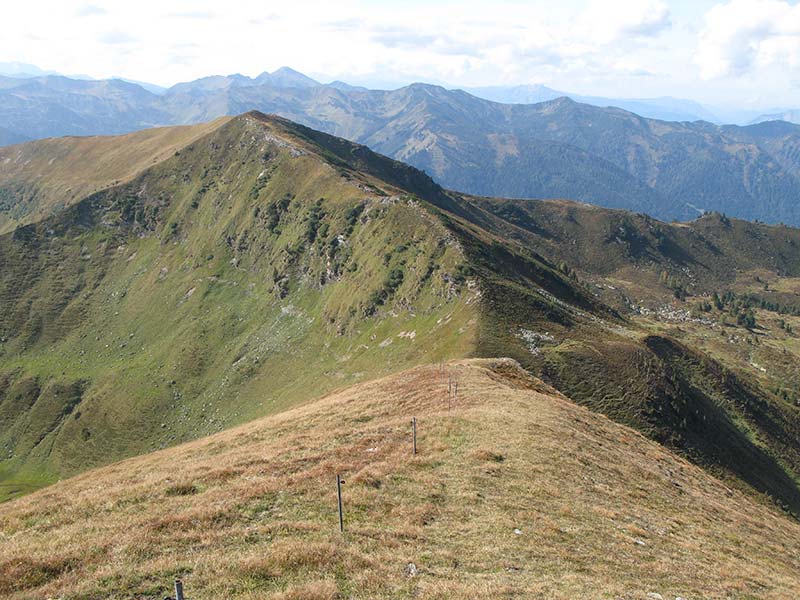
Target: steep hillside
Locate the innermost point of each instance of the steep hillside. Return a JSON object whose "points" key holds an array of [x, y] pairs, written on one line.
{"points": [[40, 178], [779, 138], [514, 492], [691, 395], [697, 166], [268, 261], [707, 252], [251, 269], [559, 148]]}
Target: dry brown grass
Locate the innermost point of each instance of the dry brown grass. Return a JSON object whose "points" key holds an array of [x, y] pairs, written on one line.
{"points": [[318, 590], [601, 512]]}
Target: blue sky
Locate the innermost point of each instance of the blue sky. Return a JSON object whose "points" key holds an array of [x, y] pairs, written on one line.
{"points": [[743, 52]]}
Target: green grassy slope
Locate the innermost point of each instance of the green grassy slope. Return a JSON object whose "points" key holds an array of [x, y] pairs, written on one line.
{"points": [[598, 241], [227, 282], [266, 262], [692, 396]]}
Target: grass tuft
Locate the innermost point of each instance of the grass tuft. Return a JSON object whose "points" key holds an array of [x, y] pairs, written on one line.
{"points": [[182, 489]]}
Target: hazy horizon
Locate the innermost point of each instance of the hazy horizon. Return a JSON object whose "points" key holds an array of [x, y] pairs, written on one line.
{"points": [[741, 53]]}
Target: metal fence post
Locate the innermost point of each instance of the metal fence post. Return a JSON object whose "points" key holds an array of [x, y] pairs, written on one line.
{"points": [[339, 495], [178, 589]]}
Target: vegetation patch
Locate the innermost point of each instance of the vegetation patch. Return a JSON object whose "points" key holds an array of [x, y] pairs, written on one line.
{"points": [[17, 575], [182, 489]]}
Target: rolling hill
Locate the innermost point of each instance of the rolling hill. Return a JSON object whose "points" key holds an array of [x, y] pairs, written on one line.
{"points": [[558, 148], [514, 492]]}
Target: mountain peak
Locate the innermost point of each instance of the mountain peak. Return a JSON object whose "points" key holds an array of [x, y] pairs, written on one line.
{"points": [[344, 153], [562, 101], [558, 105], [346, 87], [419, 85], [287, 71], [288, 77]]}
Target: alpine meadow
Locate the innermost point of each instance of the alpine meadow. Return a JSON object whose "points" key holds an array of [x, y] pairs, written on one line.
{"points": [[366, 334]]}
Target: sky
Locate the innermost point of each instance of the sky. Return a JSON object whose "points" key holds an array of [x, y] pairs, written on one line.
{"points": [[743, 52]]}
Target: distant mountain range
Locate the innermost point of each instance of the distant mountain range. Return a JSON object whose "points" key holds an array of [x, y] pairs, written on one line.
{"points": [[27, 71], [23, 70], [790, 115], [558, 148], [666, 109], [9, 137]]}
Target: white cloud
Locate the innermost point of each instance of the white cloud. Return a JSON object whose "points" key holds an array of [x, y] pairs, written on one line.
{"points": [[746, 35], [467, 41], [608, 22], [90, 10], [116, 37]]}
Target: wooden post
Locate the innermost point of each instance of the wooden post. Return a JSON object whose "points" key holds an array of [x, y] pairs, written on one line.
{"points": [[339, 494], [449, 393], [178, 589], [414, 434]]}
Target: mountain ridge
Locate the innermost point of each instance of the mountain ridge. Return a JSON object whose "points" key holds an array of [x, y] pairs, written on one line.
{"points": [[664, 108], [605, 156], [282, 261], [266, 261], [585, 500]]}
